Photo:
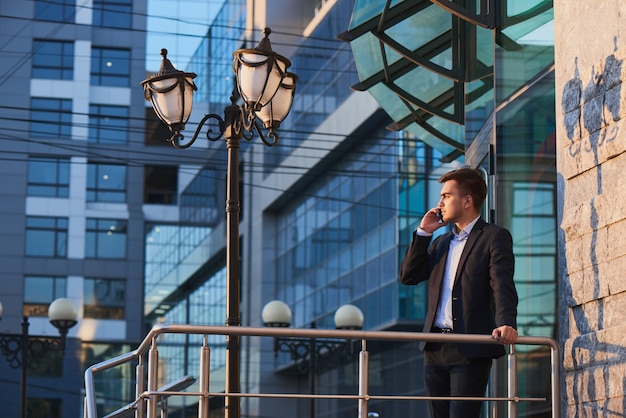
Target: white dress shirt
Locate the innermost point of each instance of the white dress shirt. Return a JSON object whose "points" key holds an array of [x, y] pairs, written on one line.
{"points": [[443, 316]]}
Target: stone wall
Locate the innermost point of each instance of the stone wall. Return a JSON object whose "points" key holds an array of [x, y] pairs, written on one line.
{"points": [[590, 42]]}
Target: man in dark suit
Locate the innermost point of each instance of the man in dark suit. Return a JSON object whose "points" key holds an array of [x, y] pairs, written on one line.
{"points": [[470, 291]]}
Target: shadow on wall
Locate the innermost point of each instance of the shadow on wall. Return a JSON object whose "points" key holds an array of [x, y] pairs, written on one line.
{"points": [[586, 110]]}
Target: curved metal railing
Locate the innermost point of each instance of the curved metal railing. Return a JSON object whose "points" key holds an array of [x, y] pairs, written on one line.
{"points": [[146, 355]]}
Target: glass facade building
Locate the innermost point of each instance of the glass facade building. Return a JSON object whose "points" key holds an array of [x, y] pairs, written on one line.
{"points": [[81, 182]]}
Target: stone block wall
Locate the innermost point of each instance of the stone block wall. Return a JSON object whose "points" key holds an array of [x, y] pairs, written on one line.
{"points": [[590, 67]]}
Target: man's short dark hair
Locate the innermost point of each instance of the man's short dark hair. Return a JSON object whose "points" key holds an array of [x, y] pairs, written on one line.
{"points": [[470, 182]]}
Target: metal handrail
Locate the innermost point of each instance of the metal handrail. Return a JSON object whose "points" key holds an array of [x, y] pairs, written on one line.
{"points": [[148, 346]]}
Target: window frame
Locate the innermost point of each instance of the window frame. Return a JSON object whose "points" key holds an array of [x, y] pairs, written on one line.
{"points": [[38, 307], [112, 13], [58, 227], [54, 180], [96, 188], [109, 67], [98, 246], [53, 59], [55, 10], [99, 304], [50, 117], [108, 124]]}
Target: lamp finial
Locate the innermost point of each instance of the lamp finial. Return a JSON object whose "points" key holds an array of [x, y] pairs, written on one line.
{"points": [[264, 44], [166, 65]]}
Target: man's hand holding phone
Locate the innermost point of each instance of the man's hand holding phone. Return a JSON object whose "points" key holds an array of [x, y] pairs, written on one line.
{"points": [[432, 220]]}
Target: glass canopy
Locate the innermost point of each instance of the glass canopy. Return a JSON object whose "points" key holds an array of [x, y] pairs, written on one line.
{"points": [[429, 63]]}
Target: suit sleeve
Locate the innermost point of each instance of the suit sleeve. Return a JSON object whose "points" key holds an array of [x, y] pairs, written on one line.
{"points": [[501, 270], [415, 266]]}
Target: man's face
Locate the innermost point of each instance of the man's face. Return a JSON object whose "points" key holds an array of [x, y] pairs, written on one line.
{"points": [[451, 202]]}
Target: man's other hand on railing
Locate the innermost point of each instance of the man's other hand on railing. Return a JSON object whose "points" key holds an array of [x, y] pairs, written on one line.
{"points": [[505, 334]]}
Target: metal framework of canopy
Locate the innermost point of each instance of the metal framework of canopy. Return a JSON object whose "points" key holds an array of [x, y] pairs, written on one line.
{"points": [[430, 63]]}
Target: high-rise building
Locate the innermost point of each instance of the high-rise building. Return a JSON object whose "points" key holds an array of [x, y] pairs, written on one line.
{"points": [[82, 180]]}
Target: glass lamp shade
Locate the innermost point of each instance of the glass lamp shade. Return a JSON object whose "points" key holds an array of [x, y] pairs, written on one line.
{"points": [[172, 100], [62, 314], [171, 93], [273, 113], [276, 314], [259, 72], [348, 317]]}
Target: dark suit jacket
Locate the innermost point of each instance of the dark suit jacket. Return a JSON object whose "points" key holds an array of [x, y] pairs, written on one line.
{"points": [[483, 295]]}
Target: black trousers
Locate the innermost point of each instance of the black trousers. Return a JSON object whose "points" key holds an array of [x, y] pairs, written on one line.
{"points": [[448, 373]]}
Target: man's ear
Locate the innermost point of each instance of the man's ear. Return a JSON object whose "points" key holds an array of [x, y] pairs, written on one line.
{"points": [[468, 201]]}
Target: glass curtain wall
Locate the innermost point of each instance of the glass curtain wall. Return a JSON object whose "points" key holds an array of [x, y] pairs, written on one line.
{"points": [[337, 240], [337, 244], [526, 179], [325, 70]]}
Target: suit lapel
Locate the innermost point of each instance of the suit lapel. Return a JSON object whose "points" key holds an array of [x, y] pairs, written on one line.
{"points": [[471, 240], [440, 269]]}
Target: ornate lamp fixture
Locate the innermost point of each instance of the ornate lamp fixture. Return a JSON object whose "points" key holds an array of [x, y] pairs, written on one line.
{"points": [[23, 351], [263, 83], [267, 91]]}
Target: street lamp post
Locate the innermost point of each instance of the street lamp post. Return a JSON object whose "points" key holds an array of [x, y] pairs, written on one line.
{"points": [[307, 352], [266, 89], [23, 351]]}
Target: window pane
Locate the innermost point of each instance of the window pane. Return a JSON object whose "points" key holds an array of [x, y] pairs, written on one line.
{"points": [[104, 298], [46, 236], [110, 67], [40, 291], [111, 245], [105, 238], [108, 124], [51, 118], [48, 177], [40, 243], [200, 202], [160, 184], [55, 10], [112, 13], [53, 59], [106, 183], [61, 242]]}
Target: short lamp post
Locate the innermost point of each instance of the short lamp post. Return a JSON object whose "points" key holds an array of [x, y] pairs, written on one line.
{"points": [[23, 351], [267, 90], [308, 352]]}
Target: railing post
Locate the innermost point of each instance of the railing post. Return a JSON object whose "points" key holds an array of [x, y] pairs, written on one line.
{"points": [[153, 374], [492, 390], [555, 358], [139, 387], [312, 374], [363, 379], [164, 407], [512, 380], [203, 384]]}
